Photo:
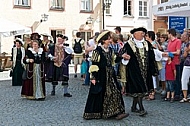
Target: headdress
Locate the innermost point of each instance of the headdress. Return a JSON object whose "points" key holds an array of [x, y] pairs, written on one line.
{"points": [[101, 35], [35, 34], [138, 29], [19, 40], [45, 34]]}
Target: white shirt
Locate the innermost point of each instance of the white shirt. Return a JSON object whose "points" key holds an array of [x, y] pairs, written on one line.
{"points": [[139, 43], [91, 43]]}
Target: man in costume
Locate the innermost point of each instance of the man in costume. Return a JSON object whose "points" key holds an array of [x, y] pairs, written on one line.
{"points": [[138, 56], [60, 57]]}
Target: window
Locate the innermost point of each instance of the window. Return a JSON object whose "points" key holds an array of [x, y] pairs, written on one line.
{"points": [[163, 1], [86, 5], [57, 4], [143, 8], [86, 35], [127, 7], [25, 3]]}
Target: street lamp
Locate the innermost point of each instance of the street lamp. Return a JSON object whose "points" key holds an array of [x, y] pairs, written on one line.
{"points": [[44, 17], [105, 4], [89, 20]]}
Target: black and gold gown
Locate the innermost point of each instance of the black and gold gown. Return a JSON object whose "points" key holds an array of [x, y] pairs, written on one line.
{"points": [[104, 98], [140, 69]]}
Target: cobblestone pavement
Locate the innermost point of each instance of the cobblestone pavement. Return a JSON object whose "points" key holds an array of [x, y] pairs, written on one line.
{"points": [[61, 111]]}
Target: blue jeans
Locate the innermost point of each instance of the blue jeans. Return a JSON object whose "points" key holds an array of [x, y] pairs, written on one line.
{"points": [[178, 80], [87, 79], [170, 87], [116, 68]]}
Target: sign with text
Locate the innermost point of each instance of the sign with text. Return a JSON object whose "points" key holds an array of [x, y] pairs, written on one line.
{"points": [[179, 23]]}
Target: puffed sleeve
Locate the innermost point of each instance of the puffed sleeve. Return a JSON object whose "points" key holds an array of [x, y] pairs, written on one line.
{"points": [[93, 70]]}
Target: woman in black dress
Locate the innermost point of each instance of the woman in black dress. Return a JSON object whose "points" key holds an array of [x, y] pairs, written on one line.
{"points": [[18, 53], [104, 98]]}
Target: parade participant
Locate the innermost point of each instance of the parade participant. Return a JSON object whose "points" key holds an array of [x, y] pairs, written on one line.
{"points": [[27, 41], [45, 42], [36, 36], [45, 46], [18, 54], [138, 56], [34, 83], [60, 56], [104, 98]]}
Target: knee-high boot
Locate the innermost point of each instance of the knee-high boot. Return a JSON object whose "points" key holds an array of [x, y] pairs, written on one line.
{"points": [[141, 107], [53, 87], [134, 105], [53, 90]]}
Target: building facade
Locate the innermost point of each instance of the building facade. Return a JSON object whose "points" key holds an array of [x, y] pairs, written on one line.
{"points": [[160, 22], [69, 16]]}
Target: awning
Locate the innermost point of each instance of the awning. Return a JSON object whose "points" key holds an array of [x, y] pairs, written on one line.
{"points": [[173, 8], [9, 28]]}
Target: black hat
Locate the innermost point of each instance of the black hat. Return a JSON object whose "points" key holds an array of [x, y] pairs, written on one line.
{"points": [[62, 36], [59, 35], [65, 37], [138, 29], [35, 34]]}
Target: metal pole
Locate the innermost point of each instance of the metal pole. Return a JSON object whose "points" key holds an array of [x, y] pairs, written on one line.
{"points": [[103, 8]]}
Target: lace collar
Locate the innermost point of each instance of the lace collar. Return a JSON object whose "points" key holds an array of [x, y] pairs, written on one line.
{"points": [[40, 50]]}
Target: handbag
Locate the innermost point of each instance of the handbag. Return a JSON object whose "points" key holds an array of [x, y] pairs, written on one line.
{"points": [[24, 75], [11, 73], [95, 89], [159, 64]]}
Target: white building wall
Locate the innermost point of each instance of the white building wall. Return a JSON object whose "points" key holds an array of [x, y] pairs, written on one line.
{"points": [[117, 17], [70, 19]]}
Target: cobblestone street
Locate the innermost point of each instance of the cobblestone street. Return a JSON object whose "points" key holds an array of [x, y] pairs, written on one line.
{"points": [[62, 111]]}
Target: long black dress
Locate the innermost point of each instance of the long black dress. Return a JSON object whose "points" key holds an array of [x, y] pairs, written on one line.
{"points": [[18, 69], [104, 98]]}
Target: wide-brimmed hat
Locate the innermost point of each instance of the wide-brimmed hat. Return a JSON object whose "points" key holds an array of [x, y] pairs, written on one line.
{"points": [[101, 35], [35, 34], [138, 29], [45, 34], [19, 40]]}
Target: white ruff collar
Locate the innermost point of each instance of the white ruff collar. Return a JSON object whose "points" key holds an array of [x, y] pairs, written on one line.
{"points": [[40, 50], [138, 43]]}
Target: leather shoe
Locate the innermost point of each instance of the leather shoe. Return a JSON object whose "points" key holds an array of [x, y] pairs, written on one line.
{"points": [[134, 110], [143, 113], [67, 95], [52, 93], [121, 116]]}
